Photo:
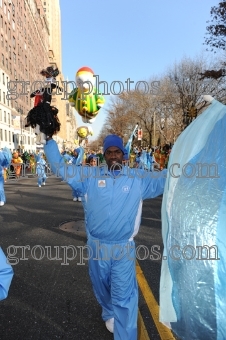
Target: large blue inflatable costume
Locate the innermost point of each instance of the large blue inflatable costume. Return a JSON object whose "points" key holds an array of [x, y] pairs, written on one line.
{"points": [[193, 276]]}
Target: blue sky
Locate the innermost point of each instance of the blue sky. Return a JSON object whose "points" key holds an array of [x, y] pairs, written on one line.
{"points": [[121, 39]]}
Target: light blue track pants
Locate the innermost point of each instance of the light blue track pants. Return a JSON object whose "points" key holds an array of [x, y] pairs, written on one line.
{"points": [[112, 269], [41, 176], [2, 191]]}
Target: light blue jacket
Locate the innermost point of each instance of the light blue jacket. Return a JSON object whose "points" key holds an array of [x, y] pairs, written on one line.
{"points": [[6, 275], [112, 204], [40, 164]]}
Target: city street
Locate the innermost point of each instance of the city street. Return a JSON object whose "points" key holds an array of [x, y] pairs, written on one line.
{"points": [[53, 298]]}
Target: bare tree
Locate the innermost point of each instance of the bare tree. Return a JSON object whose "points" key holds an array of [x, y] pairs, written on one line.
{"points": [[186, 78], [165, 112], [216, 30]]}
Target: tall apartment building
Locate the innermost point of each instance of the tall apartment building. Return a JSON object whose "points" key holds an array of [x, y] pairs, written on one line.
{"points": [[25, 40], [66, 114]]}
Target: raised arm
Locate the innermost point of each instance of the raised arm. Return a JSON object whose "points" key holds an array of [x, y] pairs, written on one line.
{"points": [[153, 183], [74, 175]]}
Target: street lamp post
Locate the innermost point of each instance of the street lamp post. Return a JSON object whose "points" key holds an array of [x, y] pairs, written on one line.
{"points": [[20, 111]]}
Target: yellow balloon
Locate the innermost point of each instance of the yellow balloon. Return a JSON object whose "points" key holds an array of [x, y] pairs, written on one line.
{"points": [[82, 132]]}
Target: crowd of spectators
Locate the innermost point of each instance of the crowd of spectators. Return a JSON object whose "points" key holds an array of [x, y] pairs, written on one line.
{"points": [[139, 157], [151, 158]]}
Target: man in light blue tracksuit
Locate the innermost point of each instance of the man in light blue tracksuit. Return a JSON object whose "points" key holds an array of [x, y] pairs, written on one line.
{"points": [[112, 197]]}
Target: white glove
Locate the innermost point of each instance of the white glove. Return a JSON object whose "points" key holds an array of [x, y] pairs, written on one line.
{"points": [[40, 136], [207, 98]]}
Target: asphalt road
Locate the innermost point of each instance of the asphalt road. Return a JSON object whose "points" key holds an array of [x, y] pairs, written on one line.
{"points": [[53, 298]]}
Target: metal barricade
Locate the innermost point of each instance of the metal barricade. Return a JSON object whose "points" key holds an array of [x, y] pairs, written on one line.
{"points": [[16, 171]]}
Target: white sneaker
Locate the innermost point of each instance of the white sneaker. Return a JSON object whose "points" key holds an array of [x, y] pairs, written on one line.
{"points": [[1, 203], [75, 199], [110, 325], [39, 186], [44, 183], [79, 199]]}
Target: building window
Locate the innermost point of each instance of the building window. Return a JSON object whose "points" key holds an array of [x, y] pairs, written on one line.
{"points": [[5, 135], [13, 25], [14, 42], [1, 135], [3, 78], [6, 45], [2, 41], [3, 59], [3, 97], [0, 115], [8, 118], [4, 116], [14, 58], [8, 14]]}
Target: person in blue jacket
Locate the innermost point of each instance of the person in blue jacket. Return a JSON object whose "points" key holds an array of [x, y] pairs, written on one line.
{"points": [[5, 159], [40, 169], [112, 197], [6, 275], [77, 160], [92, 160]]}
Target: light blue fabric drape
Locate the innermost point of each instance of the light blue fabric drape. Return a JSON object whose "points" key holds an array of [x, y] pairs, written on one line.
{"points": [[193, 277]]}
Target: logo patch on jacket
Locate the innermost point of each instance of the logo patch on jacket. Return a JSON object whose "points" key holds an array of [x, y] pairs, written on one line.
{"points": [[125, 189], [101, 183]]}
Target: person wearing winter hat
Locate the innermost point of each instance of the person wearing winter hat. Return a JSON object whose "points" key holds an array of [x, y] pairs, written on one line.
{"points": [[92, 160], [112, 205]]}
